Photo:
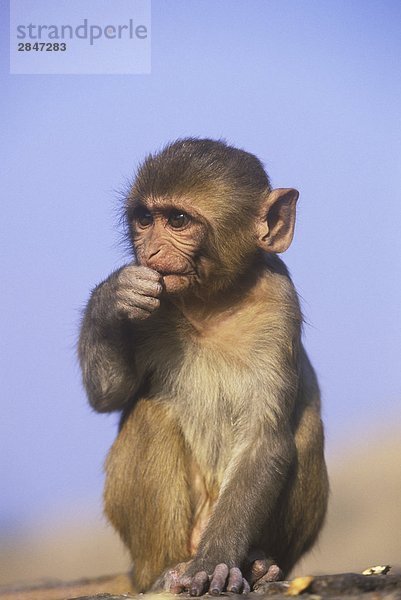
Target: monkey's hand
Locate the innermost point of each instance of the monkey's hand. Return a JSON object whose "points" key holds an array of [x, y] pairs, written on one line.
{"points": [[187, 576], [137, 292], [105, 349], [198, 579]]}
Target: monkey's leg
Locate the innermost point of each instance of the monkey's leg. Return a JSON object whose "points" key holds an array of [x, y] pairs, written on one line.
{"points": [[146, 493]]}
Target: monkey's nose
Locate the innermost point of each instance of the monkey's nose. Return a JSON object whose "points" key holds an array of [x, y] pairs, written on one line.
{"points": [[153, 253]]}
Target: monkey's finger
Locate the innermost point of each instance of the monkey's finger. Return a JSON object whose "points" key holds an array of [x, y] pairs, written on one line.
{"points": [[140, 286], [235, 581], [259, 568], [148, 282], [175, 587], [178, 582], [168, 581], [149, 288], [246, 588], [274, 573], [175, 581], [136, 301], [140, 272], [199, 583], [219, 578]]}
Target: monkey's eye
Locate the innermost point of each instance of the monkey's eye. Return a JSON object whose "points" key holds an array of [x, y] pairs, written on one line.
{"points": [[178, 219], [143, 217]]}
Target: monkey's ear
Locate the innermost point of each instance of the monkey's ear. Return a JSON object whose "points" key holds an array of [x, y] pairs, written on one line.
{"points": [[275, 227]]}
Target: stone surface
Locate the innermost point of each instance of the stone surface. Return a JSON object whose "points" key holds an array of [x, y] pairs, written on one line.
{"points": [[344, 586]]}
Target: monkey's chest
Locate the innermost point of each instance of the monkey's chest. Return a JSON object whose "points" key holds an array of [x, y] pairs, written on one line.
{"points": [[212, 383], [210, 390]]}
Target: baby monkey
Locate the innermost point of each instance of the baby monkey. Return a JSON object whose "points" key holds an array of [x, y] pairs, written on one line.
{"points": [[217, 479]]}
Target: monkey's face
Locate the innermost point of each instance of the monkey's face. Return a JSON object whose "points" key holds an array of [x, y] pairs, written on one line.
{"points": [[168, 238], [198, 214]]}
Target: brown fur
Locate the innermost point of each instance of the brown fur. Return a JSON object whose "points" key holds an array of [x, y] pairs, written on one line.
{"points": [[196, 408], [220, 449]]}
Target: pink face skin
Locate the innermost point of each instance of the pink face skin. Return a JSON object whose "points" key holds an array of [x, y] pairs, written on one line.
{"points": [[168, 238]]}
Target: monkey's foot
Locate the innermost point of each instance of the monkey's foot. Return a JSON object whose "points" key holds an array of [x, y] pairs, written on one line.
{"points": [[197, 583]]}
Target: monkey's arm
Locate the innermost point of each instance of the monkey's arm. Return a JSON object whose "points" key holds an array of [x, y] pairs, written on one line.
{"points": [[254, 479], [248, 497], [105, 349]]}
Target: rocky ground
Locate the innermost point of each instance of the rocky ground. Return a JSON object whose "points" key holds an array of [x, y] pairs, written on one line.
{"points": [[347, 586]]}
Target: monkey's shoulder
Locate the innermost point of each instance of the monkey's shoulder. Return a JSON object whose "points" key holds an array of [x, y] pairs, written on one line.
{"points": [[272, 305], [276, 288]]}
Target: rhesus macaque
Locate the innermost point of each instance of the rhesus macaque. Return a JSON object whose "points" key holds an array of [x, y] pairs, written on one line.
{"points": [[217, 477]]}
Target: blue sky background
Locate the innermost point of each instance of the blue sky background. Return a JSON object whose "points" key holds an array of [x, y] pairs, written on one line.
{"points": [[314, 89]]}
